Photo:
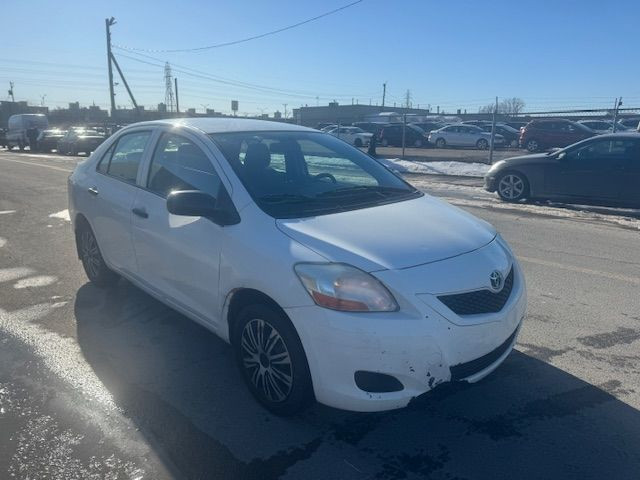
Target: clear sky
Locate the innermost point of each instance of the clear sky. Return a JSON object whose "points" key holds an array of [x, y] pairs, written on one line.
{"points": [[455, 54]]}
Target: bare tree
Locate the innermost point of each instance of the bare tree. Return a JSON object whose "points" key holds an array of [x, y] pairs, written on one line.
{"points": [[508, 106]]}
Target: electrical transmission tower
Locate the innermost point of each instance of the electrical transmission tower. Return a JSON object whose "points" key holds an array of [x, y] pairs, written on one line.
{"points": [[168, 86]]}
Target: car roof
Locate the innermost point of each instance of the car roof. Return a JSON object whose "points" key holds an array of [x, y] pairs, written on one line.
{"points": [[619, 135], [225, 125]]}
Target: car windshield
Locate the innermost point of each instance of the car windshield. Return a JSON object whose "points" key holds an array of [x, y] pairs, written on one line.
{"points": [[301, 174]]}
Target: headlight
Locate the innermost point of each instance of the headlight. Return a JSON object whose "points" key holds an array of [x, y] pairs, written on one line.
{"points": [[342, 287]]}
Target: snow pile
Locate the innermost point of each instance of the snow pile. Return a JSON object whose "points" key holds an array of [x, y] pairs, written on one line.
{"points": [[436, 168]]}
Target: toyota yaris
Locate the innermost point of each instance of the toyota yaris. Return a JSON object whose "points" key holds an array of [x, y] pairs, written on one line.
{"points": [[331, 277]]}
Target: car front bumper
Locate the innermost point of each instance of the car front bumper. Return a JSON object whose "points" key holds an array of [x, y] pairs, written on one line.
{"points": [[490, 183], [422, 345]]}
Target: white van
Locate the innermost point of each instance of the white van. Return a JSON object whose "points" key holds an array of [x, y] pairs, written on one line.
{"points": [[18, 126]]}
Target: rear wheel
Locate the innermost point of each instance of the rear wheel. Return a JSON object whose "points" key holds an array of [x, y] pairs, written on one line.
{"points": [[272, 361], [441, 143], [482, 144], [91, 257], [512, 187]]}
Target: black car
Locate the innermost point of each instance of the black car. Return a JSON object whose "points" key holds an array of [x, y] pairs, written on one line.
{"points": [[48, 140], [517, 124], [80, 141], [391, 135], [511, 135], [3, 137], [632, 123], [603, 170]]}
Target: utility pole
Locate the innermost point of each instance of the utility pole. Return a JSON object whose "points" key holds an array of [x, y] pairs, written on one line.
{"points": [[493, 132], [285, 110], [13, 99], [126, 85], [384, 92], [108, 22], [616, 106], [42, 97], [175, 81], [407, 99], [168, 87]]}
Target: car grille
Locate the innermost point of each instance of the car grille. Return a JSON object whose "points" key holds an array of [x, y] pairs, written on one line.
{"points": [[479, 301], [464, 370]]}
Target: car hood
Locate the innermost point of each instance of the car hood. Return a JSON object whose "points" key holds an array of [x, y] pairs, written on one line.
{"points": [[537, 158], [392, 236]]}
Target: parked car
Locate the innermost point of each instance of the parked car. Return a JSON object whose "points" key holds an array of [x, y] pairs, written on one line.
{"points": [[516, 124], [353, 135], [631, 123], [78, 140], [604, 170], [391, 135], [540, 135], [328, 127], [20, 127], [48, 139], [371, 127], [461, 135], [477, 123], [602, 126], [293, 246], [428, 126], [511, 135]]}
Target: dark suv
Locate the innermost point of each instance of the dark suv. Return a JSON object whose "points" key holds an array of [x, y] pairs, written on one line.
{"points": [[391, 135], [540, 135]]}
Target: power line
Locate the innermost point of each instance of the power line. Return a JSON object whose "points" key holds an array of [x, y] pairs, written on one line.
{"points": [[243, 40]]}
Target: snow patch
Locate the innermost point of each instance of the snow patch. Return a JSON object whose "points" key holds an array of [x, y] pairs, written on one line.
{"points": [[436, 168], [9, 274], [38, 281], [3, 242], [62, 215], [6, 212]]}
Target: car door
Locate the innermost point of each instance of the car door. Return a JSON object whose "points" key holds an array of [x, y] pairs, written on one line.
{"points": [[467, 136], [178, 256], [450, 135], [109, 198], [631, 184], [593, 171]]}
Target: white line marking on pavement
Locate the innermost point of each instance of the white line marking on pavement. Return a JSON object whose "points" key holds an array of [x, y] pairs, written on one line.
{"points": [[62, 215], [53, 167], [37, 281], [6, 212], [588, 271], [3, 242], [9, 274]]}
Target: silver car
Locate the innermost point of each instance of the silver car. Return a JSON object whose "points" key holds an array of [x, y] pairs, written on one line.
{"points": [[462, 135]]}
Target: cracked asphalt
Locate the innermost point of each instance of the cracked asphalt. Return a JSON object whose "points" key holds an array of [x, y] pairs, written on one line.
{"points": [[114, 385]]}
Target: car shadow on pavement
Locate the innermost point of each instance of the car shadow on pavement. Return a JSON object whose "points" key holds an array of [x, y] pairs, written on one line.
{"points": [[178, 383]]}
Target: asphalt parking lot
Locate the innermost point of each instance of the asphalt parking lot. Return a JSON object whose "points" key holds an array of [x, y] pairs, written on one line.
{"points": [[112, 384]]}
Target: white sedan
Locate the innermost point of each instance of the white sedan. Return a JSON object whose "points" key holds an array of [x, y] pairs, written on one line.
{"points": [[463, 135], [353, 135], [332, 278]]}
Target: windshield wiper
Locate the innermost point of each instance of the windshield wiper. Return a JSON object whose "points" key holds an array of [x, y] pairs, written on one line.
{"points": [[275, 198], [377, 189]]}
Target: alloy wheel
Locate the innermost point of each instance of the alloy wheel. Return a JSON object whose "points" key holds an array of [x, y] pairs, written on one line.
{"points": [[90, 253], [511, 187], [266, 360]]}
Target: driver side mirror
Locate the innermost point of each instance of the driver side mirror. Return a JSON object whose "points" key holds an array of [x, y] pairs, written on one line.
{"points": [[194, 203]]}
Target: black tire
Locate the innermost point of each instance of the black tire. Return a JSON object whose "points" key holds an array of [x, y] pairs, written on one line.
{"points": [[482, 144], [512, 186], [357, 142], [441, 143], [91, 257], [293, 391], [532, 145]]}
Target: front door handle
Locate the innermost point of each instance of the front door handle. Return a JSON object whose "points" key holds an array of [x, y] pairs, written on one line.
{"points": [[93, 191], [141, 212]]}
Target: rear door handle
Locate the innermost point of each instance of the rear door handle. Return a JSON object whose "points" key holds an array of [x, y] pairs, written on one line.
{"points": [[141, 212], [93, 191]]}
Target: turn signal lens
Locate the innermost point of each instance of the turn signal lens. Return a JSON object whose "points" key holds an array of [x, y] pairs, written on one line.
{"points": [[342, 287]]}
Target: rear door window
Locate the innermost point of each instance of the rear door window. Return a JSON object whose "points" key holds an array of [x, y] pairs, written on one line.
{"points": [[126, 156]]}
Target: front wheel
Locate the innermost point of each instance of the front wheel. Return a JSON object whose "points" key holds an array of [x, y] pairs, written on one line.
{"points": [[441, 143], [532, 145], [91, 257], [512, 187], [272, 361]]}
